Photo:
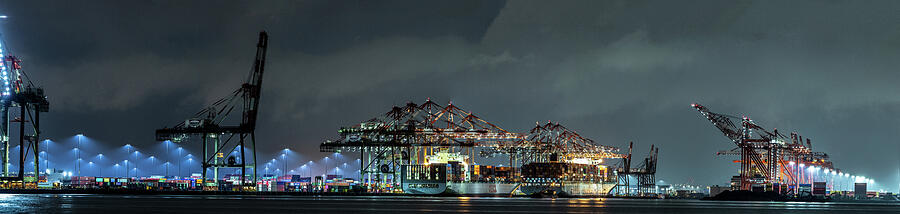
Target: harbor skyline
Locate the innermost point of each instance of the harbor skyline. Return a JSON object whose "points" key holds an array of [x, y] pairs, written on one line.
{"points": [[617, 72]]}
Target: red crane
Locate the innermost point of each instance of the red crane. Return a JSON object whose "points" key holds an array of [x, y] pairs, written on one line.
{"points": [[768, 158]]}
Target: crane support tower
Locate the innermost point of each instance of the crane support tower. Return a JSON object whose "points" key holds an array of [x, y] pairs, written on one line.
{"points": [[429, 133], [223, 146], [19, 92], [412, 133], [768, 159], [645, 174]]}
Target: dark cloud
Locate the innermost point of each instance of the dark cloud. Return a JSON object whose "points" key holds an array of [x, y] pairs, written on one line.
{"points": [[616, 71]]}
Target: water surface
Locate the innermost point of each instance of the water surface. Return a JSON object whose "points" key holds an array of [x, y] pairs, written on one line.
{"points": [[90, 203]]}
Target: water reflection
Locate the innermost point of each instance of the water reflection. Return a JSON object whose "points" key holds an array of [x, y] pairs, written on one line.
{"points": [[399, 204]]}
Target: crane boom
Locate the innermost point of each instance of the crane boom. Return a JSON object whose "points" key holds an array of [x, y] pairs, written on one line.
{"points": [[252, 88], [722, 122]]}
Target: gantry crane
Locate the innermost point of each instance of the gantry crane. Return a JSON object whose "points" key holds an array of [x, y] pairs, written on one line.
{"points": [[645, 173], [227, 140], [767, 157], [411, 133], [19, 91], [554, 142]]}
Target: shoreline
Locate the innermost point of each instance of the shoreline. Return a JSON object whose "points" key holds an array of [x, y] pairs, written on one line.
{"points": [[168, 192], [235, 193]]}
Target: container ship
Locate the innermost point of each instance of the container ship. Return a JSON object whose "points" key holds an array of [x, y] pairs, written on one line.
{"points": [[578, 178], [449, 173], [566, 179], [440, 178]]}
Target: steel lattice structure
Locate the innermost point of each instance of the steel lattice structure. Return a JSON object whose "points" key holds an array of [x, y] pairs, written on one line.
{"points": [[767, 157], [645, 173], [19, 91], [207, 124], [552, 139], [407, 134]]}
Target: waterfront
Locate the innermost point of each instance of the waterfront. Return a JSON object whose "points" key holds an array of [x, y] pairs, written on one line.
{"points": [[92, 203]]}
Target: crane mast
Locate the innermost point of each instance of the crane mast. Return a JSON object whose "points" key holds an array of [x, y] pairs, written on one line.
{"points": [[19, 91]]}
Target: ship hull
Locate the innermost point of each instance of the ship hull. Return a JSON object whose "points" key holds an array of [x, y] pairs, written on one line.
{"points": [[481, 188], [568, 188], [423, 188]]}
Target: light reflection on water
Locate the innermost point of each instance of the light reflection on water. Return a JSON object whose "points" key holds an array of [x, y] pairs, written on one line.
{"points": [[43, 203]]}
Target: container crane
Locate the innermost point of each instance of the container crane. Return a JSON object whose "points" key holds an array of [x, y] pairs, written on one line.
{"points": [[767, 157], [19, 91], [227, 139]]}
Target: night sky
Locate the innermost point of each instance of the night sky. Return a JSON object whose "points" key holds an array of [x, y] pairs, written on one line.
{"points": [[615, 71]]}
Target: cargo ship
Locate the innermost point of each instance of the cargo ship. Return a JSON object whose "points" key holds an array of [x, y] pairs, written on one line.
{"points": [[558, 179], [566, 179], [439, 178], [449, 173]]}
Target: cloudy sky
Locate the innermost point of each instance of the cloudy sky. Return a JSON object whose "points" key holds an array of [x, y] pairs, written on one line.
{"points": [[616, 71]]}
